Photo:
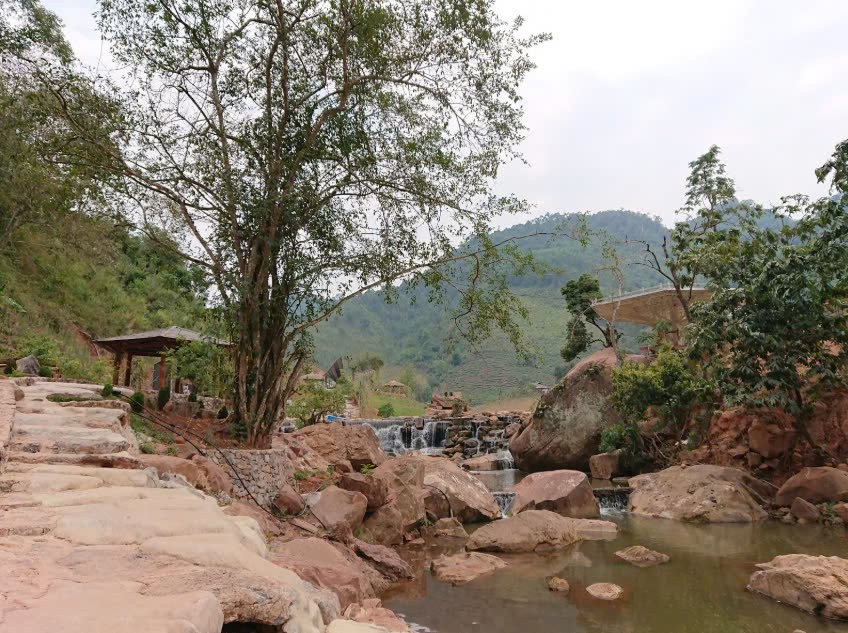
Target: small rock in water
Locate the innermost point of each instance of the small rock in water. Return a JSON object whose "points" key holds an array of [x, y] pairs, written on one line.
{"points": [[642, 556], [605, 591], [805, 511], [558, 584]]}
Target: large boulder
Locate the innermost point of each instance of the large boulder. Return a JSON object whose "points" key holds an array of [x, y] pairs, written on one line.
{"points": [[566, 426], [605, 465], [700, 494], [486, 462], [526, 532], [268, 524], [465, 567], [404, 478], [28, 365], [452, 492], [566, 492], [374, 488], [217, 479], [288, 501], [319, 563], [385, 525], [336, 508], [815, 485], [356, 443], [818, 584]]}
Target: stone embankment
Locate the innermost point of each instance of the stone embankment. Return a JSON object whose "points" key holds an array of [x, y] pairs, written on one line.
{"points": [[92, 541]]}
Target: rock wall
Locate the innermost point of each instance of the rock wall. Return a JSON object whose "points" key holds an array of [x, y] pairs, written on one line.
{"points": [[7, 419], [263, 472]]}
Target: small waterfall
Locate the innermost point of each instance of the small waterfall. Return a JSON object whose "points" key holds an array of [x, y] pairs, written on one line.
{"points": [[398, 437], [507, 461], [504, 500], [612, 500]]}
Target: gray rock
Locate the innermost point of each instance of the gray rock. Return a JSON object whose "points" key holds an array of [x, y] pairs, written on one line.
{"points": [[29, 365]]}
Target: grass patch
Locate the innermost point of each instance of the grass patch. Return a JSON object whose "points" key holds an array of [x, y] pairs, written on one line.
{"points": [[140, 425], [60, 397], [400, 405]]}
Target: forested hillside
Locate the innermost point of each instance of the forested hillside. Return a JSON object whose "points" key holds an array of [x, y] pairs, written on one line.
{"points": [[416, 333]]}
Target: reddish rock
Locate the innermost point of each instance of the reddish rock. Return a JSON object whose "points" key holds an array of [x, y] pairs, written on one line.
{"points": [[770, 439], [267, 523], [465, 567], [641, 556], [558, 584], [566, 492], [817, 584], [385, 525], [805, 511], [841, 510], [374, 488], [356, 443], [318, 562], [566, 426], [343, 466], [511, 429], [384, 560], [335, 507], [526, 532], [167, 464], [288, 501], [404, 479], [815, 485], [445, 528], [605, 591], [373, 613], [700, 494], [605, 465], [217, 478]]}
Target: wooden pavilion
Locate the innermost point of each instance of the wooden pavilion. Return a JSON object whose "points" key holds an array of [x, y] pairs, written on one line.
{"points": [[153, 343]]}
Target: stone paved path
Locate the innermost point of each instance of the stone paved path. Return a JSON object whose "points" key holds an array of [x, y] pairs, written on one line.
{"points": [[90, 541]]}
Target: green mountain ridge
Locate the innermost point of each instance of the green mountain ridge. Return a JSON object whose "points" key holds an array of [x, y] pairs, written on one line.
{"points": [[415, 334]]}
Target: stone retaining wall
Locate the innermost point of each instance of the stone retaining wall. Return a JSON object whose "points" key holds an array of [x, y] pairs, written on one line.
{"points": [[264, 472], [7, 418]]}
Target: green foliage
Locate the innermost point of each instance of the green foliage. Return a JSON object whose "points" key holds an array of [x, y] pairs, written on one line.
{"points": [[107, 390], [61, 397], [137, 402], [774, 333], [301, 475], [579, 295], [206, 364], [386, 410], [367, 469], [314, 402], [223, 414], [192, 396], [666, 386], [45, 372], [140, 425], [614, 437], [162, 397], [147, 448]]}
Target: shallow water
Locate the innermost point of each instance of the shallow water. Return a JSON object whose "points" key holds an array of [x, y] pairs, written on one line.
{"points": [[701, 590]]}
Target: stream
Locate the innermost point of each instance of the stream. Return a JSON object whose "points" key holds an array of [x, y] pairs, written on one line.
{"points": [[701, 589]]}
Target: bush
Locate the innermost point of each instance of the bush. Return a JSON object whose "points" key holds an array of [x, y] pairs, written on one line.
{"points": [[45, 372], [223, 414], [137, 402], [192, 396], [386, 411], [107, 390], [147, 448], [163, 397]]}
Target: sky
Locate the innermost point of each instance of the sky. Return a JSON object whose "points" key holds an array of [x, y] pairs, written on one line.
{"points": [[627, 93]]}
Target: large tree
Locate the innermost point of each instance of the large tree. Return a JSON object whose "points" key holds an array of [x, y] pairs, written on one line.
{"points": [[316, 149], [774, 333]]}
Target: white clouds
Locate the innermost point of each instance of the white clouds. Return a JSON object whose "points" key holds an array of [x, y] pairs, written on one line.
{"points": [[628, 92]]}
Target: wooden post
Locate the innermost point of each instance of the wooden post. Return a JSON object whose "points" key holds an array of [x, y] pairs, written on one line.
{"points": [[163, 372], [116, 371], [128, 371]]}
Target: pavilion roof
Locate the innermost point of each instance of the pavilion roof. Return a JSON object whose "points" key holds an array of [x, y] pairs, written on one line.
{"points": [[154, 342], [649, 305]]}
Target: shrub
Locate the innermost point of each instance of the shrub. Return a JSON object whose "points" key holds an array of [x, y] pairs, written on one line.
{"points": [[147, 448], [107, 390], [192, 396], [137, 402], [162, 397], [223, 414], [386, 411], [45, 372], [367, 469]]}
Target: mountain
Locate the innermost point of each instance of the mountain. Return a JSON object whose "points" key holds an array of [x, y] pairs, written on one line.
{"points": [[406, 334]]}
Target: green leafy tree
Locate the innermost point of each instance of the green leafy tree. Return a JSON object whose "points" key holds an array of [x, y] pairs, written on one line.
{"points": [[316, 150], [579, 294], [774, 332], [314, 402], [206, 364]]}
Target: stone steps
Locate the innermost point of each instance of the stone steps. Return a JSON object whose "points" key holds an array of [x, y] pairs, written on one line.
{"points": [[53, 439], [113, 460], [108, 476], [34, 483], [101, 419]]}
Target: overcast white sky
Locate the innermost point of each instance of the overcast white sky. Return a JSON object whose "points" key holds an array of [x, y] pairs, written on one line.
{"points": [[627, 93]]}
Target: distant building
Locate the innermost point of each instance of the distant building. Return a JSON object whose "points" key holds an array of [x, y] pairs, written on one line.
{"points": [[542, 389], [395, 387]]}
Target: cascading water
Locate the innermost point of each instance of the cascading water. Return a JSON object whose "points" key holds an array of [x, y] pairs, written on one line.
{"points": [[504, 500], [397, 438], [613, 500]]}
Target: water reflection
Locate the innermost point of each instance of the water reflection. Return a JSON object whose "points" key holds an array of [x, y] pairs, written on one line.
{"points": [[701, 590]]}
